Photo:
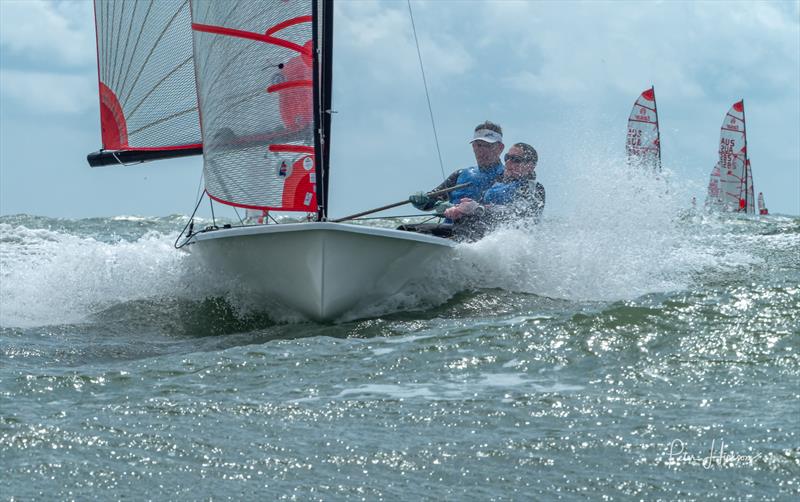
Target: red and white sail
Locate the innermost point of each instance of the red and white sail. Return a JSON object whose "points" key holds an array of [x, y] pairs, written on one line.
{"points": [[735, 184], [714, 195], [762, 208], [644, 142], [254, 80], [148, 101]]}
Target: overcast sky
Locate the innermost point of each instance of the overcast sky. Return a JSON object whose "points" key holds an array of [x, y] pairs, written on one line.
{"points": [[562, 76]]}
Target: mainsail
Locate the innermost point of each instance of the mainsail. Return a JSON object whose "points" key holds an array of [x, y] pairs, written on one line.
{"points": [[644, 142], [735, 180], [148, 102], [256, 78]]}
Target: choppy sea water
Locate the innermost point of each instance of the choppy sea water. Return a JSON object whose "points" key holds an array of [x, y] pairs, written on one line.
{"points": [[617, 354]]}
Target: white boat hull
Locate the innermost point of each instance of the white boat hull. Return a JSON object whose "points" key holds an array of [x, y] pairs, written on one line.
{"points": [[321, 270]]}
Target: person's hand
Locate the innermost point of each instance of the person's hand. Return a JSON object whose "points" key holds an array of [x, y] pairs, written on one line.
{"points": [[466, 207], [441, 207], [420, 200]]}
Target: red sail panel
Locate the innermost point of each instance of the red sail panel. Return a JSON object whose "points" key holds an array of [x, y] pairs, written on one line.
{"points": [[254, 78], [148, 99], [644, 145], [733, 160]]}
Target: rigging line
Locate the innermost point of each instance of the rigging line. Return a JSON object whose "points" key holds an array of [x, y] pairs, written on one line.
{"points": [[425, 83], [237, 215], [189, 225]]}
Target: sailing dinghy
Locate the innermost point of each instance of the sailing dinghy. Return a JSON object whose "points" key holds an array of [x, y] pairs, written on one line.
{"points": [[248, 84], [731, 185], [762, 208], [644, 140]]}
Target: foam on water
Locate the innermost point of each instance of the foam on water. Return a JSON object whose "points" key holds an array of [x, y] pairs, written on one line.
{"points": [[622, 233], [612, 233], [51, 277]]}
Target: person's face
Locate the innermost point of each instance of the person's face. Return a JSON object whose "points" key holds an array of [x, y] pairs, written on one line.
{"points": [[515, 167], [485, 152]]}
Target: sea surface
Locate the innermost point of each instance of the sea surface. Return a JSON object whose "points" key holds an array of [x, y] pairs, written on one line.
{"points": [[619, 353]]}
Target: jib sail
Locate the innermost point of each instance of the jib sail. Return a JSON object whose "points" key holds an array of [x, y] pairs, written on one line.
{"points": [[644, 142], [148, 101]]}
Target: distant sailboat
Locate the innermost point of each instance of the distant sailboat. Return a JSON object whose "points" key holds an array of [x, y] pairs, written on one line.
{"points": [[644, 141], [733, 175], [762, 209]]}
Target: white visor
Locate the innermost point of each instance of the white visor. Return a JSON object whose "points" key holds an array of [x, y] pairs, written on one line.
{"points": [[487, 135]]}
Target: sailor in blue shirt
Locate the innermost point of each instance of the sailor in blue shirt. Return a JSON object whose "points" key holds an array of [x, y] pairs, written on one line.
{"points": [[515, 196], [487, 145]]}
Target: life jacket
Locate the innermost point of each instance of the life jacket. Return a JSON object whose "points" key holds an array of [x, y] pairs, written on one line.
{"points": [[507, 192], [479, 179]]}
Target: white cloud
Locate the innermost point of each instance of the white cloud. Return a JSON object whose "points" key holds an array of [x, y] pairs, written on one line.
{"points": [[380, 38], [58, 33], [47, 93]]}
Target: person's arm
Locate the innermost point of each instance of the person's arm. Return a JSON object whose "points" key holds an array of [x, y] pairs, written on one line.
{"points": [[425, 202], [451, 181]]}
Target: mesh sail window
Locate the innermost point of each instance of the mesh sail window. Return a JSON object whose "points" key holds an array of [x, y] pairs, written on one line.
{"points": [[644, 145], [148, 98], [254, 79], [733, 160]]}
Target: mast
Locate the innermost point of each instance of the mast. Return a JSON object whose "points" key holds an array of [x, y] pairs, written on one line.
{"points": [[322, 35], [746, 163], [658, 128]]}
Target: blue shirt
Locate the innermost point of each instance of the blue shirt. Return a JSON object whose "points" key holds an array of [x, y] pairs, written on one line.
{"points": [[481, 180]]}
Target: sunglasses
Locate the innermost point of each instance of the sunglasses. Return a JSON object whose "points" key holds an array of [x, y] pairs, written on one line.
{"points": [[519, 159]]}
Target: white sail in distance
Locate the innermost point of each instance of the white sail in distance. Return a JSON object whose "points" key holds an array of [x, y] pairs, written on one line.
{"points": [[733, 163], [644, 141], [762, 208]]}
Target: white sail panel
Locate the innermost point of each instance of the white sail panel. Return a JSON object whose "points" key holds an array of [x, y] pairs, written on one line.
{"points": [[148, 99], [732, 159], [713, 196], [254, 76], [643, 144]]}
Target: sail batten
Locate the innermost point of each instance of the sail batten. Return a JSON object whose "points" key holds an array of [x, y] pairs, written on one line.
{"points": [[643, 144]]}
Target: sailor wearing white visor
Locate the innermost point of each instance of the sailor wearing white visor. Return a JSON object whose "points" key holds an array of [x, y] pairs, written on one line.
{"points": [[487, 144]]}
